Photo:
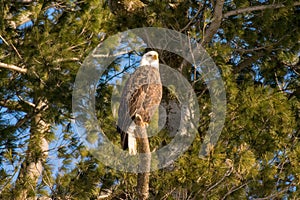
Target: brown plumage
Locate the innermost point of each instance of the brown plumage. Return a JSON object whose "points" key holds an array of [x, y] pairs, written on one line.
{"points": [[140, 98]]}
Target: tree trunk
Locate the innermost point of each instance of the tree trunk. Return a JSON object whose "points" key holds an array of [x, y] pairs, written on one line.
{"points": [[36, 155], [144, 163]]}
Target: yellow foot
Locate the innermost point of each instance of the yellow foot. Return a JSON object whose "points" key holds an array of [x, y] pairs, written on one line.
{"points": [[139, 121], [145, 124]]}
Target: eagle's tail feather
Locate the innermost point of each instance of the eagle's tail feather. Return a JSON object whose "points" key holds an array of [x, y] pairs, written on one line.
{"points": [[124, 138], [128, 139], [132, 144]]}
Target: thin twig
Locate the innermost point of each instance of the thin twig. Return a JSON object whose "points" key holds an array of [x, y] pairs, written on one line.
{"points": [[233, 189], [4, 40], [194, 17], [16, 50], [277, 81]]}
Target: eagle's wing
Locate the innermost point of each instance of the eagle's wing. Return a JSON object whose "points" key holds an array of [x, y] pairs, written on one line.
{"points": [[141, 96]]}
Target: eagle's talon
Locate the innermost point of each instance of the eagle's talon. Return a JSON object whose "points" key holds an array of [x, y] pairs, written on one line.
{"points": [[138, 117], [145, 124], [139, 121]]}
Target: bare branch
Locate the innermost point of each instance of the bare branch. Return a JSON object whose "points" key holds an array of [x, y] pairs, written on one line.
{"points": [[248, 62], [194, 17], [227, 173], [241, 50], [24, 1], [26, 102], [255, 8], [215, 24], [11, 44], [11, 105], [168, 194], [16, 50], [294, 70], [280, 86], [21, 105], [66, 60], [4, 40], [13, 68], [276, 194], [233, 189]]}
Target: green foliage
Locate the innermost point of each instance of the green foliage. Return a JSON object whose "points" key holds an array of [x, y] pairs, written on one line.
{"points": [[258, 152]]}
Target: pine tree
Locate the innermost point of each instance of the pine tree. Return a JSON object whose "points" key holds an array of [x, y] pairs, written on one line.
{"points": [[43, 44], [254, 44]]}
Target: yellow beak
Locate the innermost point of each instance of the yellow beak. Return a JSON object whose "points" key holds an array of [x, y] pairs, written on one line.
{"points": [[155, 57]]}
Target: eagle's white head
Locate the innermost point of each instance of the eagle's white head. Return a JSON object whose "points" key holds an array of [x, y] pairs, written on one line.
{"points": [[150, 59]]}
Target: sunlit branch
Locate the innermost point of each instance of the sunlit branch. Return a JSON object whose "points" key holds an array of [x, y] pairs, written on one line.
{"points": [[256, 8], [66, 60], [13, 68]]}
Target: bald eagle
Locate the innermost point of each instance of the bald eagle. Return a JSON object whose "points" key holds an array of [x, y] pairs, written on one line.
{"points": [[140, 98]]}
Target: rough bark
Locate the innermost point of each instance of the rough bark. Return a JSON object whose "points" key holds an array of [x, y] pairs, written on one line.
{"points": [[36, 154], [215, 24], [38, 147], [144, 165]]}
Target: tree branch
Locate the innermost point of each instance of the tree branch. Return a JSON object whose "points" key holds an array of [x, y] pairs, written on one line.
{"points": [[24, 1], [66, 60], [248, 62], [11, 105], [233, 189], [276, 194], [215, 24], [255, 8], [21, 105], [144, 163], [194, 17], [13, 68]]}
